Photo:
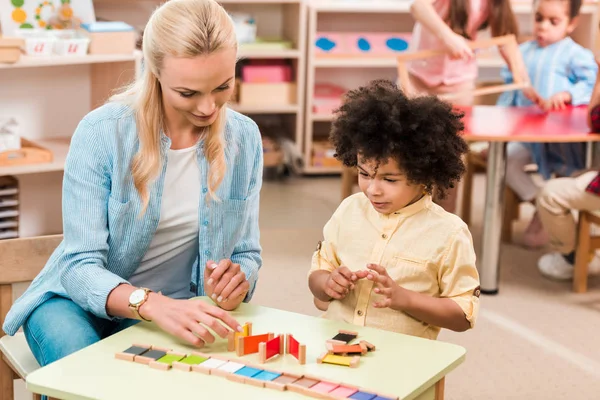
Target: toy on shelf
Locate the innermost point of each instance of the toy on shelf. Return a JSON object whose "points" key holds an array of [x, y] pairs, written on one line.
{"points": [[373, 44], [246, 373], [10, 49]]}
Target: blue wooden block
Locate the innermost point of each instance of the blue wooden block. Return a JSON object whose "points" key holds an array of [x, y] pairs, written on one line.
{"points": [[267, 376], [248, 372], [363, 396], [381, 398]]}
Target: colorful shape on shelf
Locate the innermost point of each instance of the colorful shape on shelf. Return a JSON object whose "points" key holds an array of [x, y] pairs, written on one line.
{"points": [[325, 44]]}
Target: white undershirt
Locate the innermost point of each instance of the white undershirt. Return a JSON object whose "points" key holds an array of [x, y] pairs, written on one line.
{"points": [[167, 265]]}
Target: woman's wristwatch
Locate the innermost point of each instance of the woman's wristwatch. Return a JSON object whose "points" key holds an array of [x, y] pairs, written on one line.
{"points": [[137, 298]]}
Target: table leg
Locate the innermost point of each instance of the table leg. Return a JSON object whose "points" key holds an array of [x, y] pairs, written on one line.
{"points": [[589, 154], [489, 260]]}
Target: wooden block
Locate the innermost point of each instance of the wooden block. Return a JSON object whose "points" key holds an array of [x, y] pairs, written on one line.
{"points": [[231, 341], [149, 356], [275, 385], [345, 336], [130, 353], [255, 382], [124, 356], [302, 354], [262, 353], [370, 347], [164, 363], [355, 362], [208, 366], [346, 361], [286, 379], [333, 341], [239, 348], [248, 329], [353, 333], [159, 365], [193, 359], [236, 378], [346, 349], [165, 349]]}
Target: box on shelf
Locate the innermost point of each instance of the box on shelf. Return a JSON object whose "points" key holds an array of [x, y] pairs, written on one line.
{"points": [[70, 43], [10, 49], [361, 43], [283, 93], [322, 155], [9, 207], [38, 42], [274, 73], [327, 98], [111, 37], [29, 153]]}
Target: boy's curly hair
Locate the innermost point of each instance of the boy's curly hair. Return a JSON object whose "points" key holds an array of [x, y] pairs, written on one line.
{"points": [[422, 134]]}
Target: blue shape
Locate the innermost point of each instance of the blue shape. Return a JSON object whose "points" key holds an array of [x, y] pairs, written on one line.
{"points": [[363, 44], [249, 372], [381, 398], [267, 376], [325, 44], [362, 396], [396, 44]]}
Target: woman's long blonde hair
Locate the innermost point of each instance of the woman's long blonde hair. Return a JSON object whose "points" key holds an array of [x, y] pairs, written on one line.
{"points": [[181, 28]]}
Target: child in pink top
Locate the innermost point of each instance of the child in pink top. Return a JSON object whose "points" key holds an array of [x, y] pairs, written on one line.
{"points": [[449, 25]]}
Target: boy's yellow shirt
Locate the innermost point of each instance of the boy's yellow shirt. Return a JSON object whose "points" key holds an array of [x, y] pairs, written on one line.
{"points": [[424, 249]]}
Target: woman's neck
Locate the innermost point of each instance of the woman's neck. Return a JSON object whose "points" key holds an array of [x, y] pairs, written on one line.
{"points": [[182, 133]]}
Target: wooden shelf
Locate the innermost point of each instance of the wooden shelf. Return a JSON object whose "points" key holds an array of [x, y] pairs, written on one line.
{"points": [[257, 54], [386, 62], [59, 148], [312, 170], [321, 117], [52, 61], [265, 109]]}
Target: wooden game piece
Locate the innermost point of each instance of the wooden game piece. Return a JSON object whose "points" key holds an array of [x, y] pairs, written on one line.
{"points": [[370, 347], [249, 344], [232, 336], [130, 353], [347, 361], [207, 366], [300, 385], [284, 380], [347, 349], [296, 349], [165, 363], [324, 387], [345, 336], [236, 378], [149, 356], [331, 341], [385, 397], [255, 382], [270, 349], [229, 367], [343, 391], [186, 363]]}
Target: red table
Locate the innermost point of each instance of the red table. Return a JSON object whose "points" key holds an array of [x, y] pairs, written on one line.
{"points": [[498, 126]]}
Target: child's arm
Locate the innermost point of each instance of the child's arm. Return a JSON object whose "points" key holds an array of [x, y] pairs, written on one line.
{"points": [[594, 101], [583, 71], [424, 12], [331, 285], [436, 311], [508, 72]]}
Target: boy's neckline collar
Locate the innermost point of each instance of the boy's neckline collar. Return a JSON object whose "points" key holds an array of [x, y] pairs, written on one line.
{"points": [[412, 209]]}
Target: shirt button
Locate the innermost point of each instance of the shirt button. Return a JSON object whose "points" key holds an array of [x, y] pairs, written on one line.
{"points": [[205, 223], [384, 236], [360, 313], [207, 253], [205, 190]]}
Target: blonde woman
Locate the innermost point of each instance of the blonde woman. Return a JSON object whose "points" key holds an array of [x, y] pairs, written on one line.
{"points": [[160, 199]]}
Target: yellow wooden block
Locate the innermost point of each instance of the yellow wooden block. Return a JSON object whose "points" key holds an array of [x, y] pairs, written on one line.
{"points": [[338, 360]]}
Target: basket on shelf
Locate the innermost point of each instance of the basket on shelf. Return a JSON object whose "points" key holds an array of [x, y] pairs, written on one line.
{"points": [[29, 153]]}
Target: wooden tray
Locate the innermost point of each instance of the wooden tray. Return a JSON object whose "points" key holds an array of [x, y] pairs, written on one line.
{"points": [[29, 153]]}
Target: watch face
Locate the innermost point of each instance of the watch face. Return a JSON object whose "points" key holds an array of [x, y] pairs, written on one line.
{"points": [[137, 296]]}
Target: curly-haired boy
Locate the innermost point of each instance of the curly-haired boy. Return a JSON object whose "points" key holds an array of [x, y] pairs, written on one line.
{"points": [[391, 258]]}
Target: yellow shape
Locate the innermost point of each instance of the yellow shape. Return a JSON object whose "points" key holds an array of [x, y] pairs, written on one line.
{"points": [[246, 330], [67, 12], [19, 16], [338, 360], [42, 24]]}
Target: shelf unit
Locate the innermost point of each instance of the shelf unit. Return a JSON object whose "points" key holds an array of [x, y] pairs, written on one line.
{"points": [[389, 16], [274, 18], [48, 96]]}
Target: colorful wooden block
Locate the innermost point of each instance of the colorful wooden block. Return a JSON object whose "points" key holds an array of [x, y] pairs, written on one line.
{"points": [[132, 352], [165, 362], [149, 356], [345, 336], [324, 387], [254, 382], [250, 372], [385, 398], [270, 348], [370, 347], [227, 368], [286, 379], [232, 337], [343, 392], [267, 376], [296, 349], [347, 361], [249, 344], [362, 396], [186, 363], [207, 366], [347, 349], [236, 378]]}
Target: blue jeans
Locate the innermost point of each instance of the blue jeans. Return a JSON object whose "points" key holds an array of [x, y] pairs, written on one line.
{"points": [[60, 327]]}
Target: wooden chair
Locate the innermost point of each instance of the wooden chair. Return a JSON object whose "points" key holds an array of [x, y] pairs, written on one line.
{"points": [[20, 261], [586, 245]]}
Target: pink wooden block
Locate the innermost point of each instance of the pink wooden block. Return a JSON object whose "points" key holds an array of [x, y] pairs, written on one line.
{"points": [[343, 392], [266, 73], [324, 387], [327, 98]]}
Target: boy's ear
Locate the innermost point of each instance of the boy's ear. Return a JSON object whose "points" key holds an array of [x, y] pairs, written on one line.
{"points": [[572, 24]]}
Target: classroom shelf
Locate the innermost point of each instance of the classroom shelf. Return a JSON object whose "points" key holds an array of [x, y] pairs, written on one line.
{"points": [[266, 54], [59, 148], [52, 61], [312, 170], [321, 117], [266, 109]]}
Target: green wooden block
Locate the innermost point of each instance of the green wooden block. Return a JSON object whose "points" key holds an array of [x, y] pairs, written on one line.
{"points": [[170, 359], [193, 360]]}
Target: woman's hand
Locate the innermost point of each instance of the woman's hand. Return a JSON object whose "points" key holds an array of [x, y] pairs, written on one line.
{"points": [[189, 320], [225, 283], [458, 47]]}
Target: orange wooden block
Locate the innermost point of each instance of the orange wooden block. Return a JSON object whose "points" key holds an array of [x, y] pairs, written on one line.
{"points": [[249, 344], [347, 348]]}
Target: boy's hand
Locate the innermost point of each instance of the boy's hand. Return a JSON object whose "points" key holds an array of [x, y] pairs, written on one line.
{"points": [[339, 283], [557, 102], [533, 96], [394, 296]]}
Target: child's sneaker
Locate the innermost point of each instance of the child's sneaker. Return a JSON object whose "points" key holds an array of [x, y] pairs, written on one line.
{"points": [[554, 266]]}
